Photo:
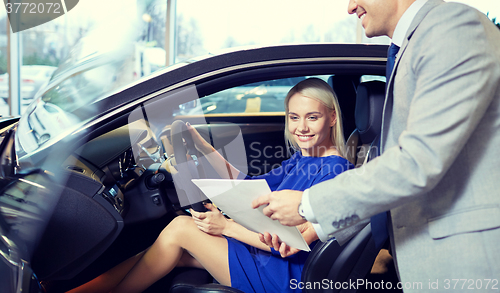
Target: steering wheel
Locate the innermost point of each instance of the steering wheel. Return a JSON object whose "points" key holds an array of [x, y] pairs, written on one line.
{"points": [[184, 146]]}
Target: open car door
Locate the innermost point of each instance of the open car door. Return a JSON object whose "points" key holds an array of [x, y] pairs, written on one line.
{"points": [[27, 196]]}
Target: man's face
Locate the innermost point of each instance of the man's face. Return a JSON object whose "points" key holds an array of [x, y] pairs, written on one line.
{"points": [[378, 17]]}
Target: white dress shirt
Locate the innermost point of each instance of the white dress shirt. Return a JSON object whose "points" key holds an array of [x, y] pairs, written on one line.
{"points": [[405, 21]]}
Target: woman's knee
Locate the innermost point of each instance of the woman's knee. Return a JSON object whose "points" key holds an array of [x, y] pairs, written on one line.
{"points": [[177, 230]]}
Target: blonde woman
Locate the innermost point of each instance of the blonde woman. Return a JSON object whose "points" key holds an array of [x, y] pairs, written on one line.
{"points": [[233, 255]]}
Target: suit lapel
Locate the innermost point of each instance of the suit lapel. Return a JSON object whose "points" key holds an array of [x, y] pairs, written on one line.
{"points": [[390, 83], [414, 25]]}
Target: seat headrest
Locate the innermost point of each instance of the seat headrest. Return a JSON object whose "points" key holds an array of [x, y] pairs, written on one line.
{"points": [[369, 106], [345, 89]]}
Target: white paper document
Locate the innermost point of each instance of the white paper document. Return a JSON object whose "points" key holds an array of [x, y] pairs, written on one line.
{"points": [[234, 197]]}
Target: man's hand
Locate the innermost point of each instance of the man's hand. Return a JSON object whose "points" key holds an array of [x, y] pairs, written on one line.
{"points": [[282, 205]]}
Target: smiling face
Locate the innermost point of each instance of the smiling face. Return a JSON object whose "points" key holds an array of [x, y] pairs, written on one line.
{"points": [[310, 123], [378, 17]]}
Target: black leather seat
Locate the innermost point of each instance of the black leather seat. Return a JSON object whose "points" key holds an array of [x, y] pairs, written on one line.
{"points": [[340, 264], [344, 87], [329, 260], [368, 117]]}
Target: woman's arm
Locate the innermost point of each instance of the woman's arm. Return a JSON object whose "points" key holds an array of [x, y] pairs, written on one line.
{"points": [[221, 166], [214, 223], [238, 232]]}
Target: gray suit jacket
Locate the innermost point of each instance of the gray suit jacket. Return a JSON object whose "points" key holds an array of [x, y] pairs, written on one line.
{"points": [[439, 172]]}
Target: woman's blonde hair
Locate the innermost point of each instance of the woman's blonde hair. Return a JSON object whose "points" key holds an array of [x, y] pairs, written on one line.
{"points": [[320, 91]]}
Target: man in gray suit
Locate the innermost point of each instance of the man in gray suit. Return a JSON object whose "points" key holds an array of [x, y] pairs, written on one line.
{"points": [[439, 168]]}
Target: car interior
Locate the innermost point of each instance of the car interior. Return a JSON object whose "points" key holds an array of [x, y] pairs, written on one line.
{"points": [[330, 260], [126, 181]]}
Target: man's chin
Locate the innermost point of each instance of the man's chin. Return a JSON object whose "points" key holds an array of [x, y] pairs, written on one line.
{"points": [[370, 34]]}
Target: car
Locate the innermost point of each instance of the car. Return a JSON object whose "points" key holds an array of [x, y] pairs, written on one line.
{"points": [[84, 176], [32, 78]]}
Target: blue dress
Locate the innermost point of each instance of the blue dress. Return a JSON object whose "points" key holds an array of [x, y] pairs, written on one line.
{"points": [[255, 270]]}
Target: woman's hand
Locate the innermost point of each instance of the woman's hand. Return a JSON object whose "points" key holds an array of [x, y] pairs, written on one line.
{"points": [[212, 222], [274, 241], [200, 143]]}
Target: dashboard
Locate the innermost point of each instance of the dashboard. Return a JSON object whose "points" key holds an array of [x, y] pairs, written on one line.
{"points": [[111, 181]]}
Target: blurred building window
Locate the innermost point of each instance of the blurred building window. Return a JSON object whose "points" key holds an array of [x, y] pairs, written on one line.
{"points": [[162, 37]]}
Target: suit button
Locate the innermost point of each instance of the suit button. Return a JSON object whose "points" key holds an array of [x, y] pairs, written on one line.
{"points": [[348, 221], [335, 224], [355, 218], [342, 223]]}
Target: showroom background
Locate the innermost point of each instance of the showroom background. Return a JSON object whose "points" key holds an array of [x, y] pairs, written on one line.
{"points": [[159, 33]]}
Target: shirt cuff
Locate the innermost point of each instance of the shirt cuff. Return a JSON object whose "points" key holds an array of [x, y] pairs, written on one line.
{"points": [[321, 235], [306, 207]]}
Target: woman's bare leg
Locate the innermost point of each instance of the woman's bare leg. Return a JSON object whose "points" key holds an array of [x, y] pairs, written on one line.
{"points": [[179, 236], [177, 229], [108, 280]]}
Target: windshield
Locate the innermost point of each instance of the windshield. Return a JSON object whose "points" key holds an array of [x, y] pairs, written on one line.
{"points": [[97, 66], [67, 103], [69, 98]]}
